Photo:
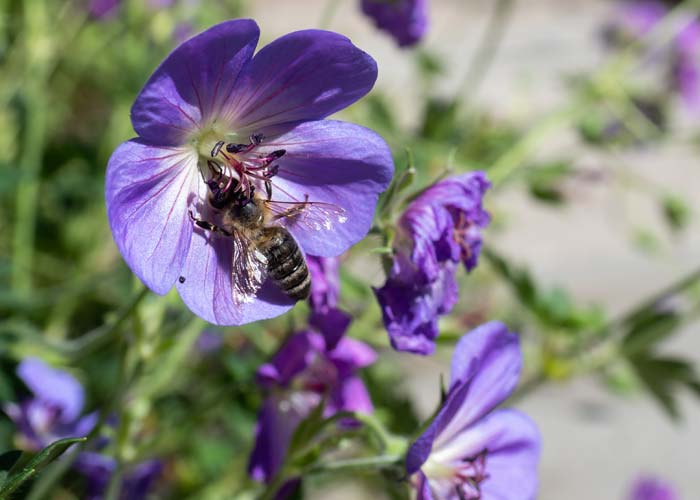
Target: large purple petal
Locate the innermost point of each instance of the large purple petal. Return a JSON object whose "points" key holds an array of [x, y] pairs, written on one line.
{"points": [[207, 275], [54, 387], [487, 362], [148, 191], [512, 442], [305, 75], [331, 162], [197, 80]]}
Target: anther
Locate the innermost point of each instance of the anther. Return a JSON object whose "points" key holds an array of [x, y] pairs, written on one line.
{"points": [[256, 139], [216, 149], [271, 172], [235, 148], [276, 155]]}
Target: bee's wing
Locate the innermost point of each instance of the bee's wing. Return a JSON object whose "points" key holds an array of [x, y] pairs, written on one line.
{"points": [[316, 215], [248, 269]]}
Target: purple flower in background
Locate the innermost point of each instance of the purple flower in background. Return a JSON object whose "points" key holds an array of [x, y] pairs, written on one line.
{"points": [[686, 66], [438, 230], [470, 451], [325, 290], [55, 410], [632, 20], [268, 110], [635, 19], [298, 377], [103, 9], [650, 488], [137, 480], [405, 20]]}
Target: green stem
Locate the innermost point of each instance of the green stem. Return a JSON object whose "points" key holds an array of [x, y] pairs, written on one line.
{"points": [[101, 336], [487, 49], [115, 484], [517, 155], [368, 464], [35, 106], [328, 13]]}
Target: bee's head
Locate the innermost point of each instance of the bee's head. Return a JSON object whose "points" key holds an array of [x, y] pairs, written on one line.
{"points": [[223, 192]]}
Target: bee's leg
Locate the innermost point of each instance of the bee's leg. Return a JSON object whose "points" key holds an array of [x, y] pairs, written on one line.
{"points": [[208, 225]]}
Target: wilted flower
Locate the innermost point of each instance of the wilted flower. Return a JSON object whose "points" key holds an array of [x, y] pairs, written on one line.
{"points": [[268, 111], [55, 410], [438, 230], [470, 451], [405, 20], [650, 488], [136, 482], [298, 377], [325, 290]]}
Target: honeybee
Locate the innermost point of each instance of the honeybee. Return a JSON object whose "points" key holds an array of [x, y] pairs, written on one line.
{"points": [[262, 247]]}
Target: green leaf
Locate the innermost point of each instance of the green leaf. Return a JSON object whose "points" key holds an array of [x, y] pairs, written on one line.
{"points": [[36, 464], [544, 182], [663, 377], [307, 429], [649, 329], [676, 212]]}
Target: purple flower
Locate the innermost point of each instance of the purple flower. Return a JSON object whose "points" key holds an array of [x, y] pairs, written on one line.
{"points": [[212, 118], [405, 20], [650, 488], [103, 9], [298, 377], [55, 410], [470, 451], [325, 290], [438, 230], [137, 480], [633, 20], [686, 66]]}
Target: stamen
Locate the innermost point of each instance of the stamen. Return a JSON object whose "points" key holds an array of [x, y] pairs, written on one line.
{"points": [[240, 162], [217, 147]]}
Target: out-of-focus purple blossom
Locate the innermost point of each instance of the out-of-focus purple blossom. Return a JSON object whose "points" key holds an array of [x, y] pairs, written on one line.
{"points": [[632, 20], [325, 290], [209, 341], [470, 451], [269, 110], [686, 66], [103, 9], [405, 20], [301, 373], [137, 480], [651, 488], [54, 411], [438, 230]]}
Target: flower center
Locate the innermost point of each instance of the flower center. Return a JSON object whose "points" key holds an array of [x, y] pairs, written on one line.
{"points": [[463, 477], [241, 167], [463, 237]]}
